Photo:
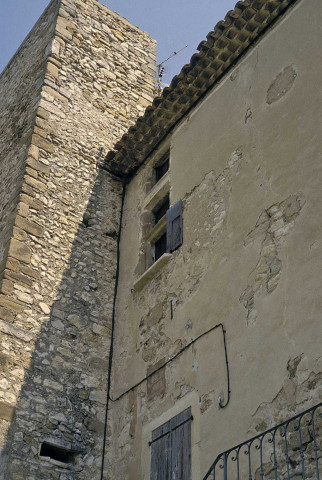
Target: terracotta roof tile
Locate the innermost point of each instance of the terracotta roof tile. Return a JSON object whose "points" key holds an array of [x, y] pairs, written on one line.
{"points": [[223, 46]]}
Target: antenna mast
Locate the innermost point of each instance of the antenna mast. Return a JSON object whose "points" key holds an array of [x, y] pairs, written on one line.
{"points": [[161, 70]]}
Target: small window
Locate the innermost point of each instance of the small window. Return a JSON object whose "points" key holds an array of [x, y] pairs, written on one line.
{"points": [[160, 247], [161, 170], [171, 449], [167, 235], [161, 209], [57, 453]]}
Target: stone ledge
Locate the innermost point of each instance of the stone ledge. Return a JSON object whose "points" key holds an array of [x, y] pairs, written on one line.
{"points": [[157, 192], [150, 272]]}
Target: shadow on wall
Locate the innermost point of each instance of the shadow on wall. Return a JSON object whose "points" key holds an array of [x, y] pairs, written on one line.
{"points": [[61, 409]]}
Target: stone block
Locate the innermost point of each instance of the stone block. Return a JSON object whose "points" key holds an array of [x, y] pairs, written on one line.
{"points": [[52, 385], [27, 189], [39, 131], [95, 425], [44, 125], [24, 297], [5, 361], [19, 234], [6, 411], [6, 315], [23, 209], [30, 272], [33, 151], [63, 33], [41, 112], [31, 172], [19, 278], [32, 202], [19, 251], [6, 287], [42, 144], [54, 61], [11, 304], [29, 226], [54, 93], [34, 184], [45, 308], [52, 69], [13, 264]]}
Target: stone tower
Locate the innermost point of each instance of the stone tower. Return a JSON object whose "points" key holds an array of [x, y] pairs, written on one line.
{"points": [[79, 80]]}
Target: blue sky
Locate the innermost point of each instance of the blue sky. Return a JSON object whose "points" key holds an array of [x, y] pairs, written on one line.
{"points": [[173, 23]]}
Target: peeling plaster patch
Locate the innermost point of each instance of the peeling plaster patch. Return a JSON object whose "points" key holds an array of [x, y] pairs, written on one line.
{"points": [[248, 115], [296, 395], [298, 392], [274, 223], [209, 202], [182, 389], [281, 85], [152, 342], [209, 198], [205, 402], [292, 365]]}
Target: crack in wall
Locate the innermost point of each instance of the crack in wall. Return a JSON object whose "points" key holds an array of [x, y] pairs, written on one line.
{"points": [[274, 224]]}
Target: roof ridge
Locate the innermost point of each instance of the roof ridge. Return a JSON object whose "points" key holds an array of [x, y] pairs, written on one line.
{"points": [[229, 39]]}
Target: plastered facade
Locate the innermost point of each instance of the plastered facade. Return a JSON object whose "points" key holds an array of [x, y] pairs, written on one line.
{"points": [[246, 163], [94, 77]]}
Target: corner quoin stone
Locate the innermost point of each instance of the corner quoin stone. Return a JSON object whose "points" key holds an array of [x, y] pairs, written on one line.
{"points": [[20, 251]]}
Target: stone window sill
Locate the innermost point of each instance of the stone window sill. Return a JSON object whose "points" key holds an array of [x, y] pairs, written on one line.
{"points": [[157, 230], [150, 272], [158, 192]]}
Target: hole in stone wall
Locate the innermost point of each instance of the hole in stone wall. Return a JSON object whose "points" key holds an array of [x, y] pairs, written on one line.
{"points": [[86, 219], [57, 453], [112, 234]]}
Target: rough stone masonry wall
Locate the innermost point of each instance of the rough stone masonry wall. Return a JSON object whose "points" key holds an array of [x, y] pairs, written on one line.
{"points": [[20, 85], [59, 276]]}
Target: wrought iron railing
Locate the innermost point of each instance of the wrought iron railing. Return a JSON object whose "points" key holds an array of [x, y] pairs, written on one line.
{"points": [[289, 451]]}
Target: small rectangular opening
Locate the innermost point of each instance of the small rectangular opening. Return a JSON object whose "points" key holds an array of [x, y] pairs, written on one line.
{"points": [[59, 454], [161, 170], [160, 247], [161, 209]]}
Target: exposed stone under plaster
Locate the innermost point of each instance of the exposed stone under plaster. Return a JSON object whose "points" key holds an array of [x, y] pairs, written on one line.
{"points": [[273, 225]]}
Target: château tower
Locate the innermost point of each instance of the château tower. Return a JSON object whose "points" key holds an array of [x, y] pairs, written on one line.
{"points": [[79, 80]]}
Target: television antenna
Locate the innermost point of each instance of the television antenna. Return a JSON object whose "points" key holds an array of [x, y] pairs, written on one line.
{"points": [[161, 70]]}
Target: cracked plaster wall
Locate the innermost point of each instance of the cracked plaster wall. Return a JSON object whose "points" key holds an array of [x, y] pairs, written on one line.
{"points": [[247, 165]]}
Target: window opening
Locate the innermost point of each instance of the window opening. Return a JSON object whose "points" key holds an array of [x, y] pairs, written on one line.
{"points": [[161, 210], [57, 453], [160, 247], [161, 170]]}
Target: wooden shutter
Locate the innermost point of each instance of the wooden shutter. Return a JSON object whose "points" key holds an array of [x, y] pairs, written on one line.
{"points": [[174, 227], [161, 453], [171, 449]]}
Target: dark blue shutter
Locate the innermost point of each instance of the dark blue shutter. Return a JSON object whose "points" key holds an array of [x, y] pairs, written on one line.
{"points": [[174, 227]]}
